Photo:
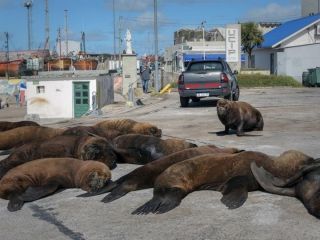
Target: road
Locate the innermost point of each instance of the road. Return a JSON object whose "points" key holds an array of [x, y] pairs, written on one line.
{"points": [[292, 121]]}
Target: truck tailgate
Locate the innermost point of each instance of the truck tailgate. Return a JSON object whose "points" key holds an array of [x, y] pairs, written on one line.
{"points": [[202, 80]]}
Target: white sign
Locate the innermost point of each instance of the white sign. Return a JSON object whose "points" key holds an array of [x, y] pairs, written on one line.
{"points": [[232, 45]]}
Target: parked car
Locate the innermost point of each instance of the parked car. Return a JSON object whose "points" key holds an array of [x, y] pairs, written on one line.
{"points": [[207, 78]]}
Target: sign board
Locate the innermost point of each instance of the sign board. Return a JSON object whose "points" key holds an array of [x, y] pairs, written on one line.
{"points": [[232, 45]]}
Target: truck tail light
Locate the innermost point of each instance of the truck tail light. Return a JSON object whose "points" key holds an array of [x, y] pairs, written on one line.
{"points": [[181, 79], [224, 78]]}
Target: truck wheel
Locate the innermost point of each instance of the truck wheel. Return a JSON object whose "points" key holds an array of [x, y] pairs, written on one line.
{"points": [[184, 101]]}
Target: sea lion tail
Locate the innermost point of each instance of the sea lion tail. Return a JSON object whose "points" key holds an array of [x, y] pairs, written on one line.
{"points": [[167, 200]]}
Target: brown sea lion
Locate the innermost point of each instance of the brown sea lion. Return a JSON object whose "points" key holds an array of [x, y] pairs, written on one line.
{"points": [[108, 129], [144, 176], [230, 174], [141, 149], [80, 147], [22, 135], [126, 126], [39, 178], [239, 116], [5, 126], [304, 185]]}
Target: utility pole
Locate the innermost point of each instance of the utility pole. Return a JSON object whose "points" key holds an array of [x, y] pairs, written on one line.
{"points": [[83, 41], [66, 31], [47, 29], [203, 39], [156, 77], [59, 41], [7, 53], [120, 39], [28, 5], [114, 30]]}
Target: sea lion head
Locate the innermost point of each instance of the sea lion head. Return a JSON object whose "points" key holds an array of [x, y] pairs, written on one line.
{"points": [[92, 176], [146, 129], [99, 149], [223, 106]]}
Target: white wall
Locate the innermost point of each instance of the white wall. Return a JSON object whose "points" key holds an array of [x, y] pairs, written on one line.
{"points": [[294, 61], [57, 100], [262, 58]]}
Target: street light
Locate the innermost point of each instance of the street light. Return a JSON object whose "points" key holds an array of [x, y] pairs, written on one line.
{"points": [[203, 39], [157, 85]]}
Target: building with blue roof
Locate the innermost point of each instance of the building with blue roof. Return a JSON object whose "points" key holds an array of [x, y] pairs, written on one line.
{"points": [[290, 49]]}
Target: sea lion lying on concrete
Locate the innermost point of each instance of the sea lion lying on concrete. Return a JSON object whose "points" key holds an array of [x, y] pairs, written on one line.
{"points": [[305, 185], [22, 135], [141, 149], [144, 176], [85, 148], [239, 116], [39, 178], [109, 129], [230, 174], [5, 126]]}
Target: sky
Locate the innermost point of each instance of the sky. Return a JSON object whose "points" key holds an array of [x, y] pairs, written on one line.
{"points": [[95, 18]]}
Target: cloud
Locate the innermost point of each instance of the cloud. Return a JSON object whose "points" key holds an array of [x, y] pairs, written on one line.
{"points": [[144, 22], [125, 5], [273, 12]]}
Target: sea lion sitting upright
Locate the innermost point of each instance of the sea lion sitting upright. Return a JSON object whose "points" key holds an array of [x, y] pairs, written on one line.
{"points": [[305, 185], [144, 176], [230, 174], [39, 178], [239, 116], [21, 135], [5, 126], [80, 147], [141, 149]]}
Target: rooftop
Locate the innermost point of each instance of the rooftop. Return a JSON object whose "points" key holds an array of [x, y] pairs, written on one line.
{"points": [[287, 30]]}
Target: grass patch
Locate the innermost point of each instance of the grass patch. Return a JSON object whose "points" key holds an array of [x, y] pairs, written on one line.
{"points": [[259, 80]]}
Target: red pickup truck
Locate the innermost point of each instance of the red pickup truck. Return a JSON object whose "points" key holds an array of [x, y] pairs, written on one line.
{"points": [[207, 78]]}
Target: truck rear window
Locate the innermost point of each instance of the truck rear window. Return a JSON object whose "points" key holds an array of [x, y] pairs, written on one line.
{"points": [[205, 66]]}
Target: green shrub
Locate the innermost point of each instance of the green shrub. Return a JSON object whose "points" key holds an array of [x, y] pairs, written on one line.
{"points": [[259, 80]]}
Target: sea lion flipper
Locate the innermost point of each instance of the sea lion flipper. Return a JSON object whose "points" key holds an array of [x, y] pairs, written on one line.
{"points": [[110, 186], [265, 179], [162, 202], [115, 194], [34, 193], [15, 204], [235, 192]]}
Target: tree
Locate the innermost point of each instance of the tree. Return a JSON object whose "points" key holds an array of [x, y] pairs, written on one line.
{"points": [[251, 37]]}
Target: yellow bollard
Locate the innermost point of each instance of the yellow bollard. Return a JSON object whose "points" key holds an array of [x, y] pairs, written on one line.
{"points": [[166, 88]]}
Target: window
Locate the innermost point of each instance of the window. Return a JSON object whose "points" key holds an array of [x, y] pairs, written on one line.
{"points": [[40, 89], [206, 66]]}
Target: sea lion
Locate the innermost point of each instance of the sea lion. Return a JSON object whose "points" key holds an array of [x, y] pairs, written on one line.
{"points": [[304, 185], [127, 126], [144, 176], [229, 174], [5, 126], [80, 147], [239, 116], [21, 135], [108, 129], [141, 149], [39, 178]]}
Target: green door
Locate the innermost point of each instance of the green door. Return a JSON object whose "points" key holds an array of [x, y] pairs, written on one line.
{"points": [[81, 98]]}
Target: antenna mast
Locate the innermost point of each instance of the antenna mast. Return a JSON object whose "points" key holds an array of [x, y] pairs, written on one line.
{"points": [[47, 29], [66, 30], [7, 53], [28, 5]]}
